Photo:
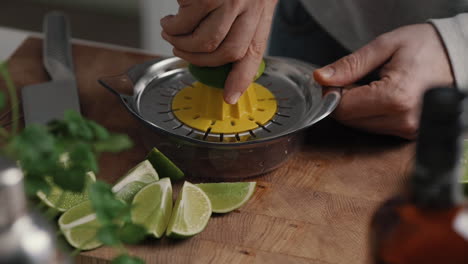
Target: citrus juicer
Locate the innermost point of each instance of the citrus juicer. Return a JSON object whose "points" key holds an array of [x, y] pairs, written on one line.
{"points": [[206, 137]]}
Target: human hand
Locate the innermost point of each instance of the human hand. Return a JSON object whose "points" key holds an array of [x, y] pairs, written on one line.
{"points": [[216, 32], [413, 59]]}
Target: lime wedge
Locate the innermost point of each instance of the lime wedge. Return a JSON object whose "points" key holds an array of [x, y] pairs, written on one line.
{"points": [[228, 196], [152, 207], [63, 200], [464, 180], [216, 76], [79, 226], [164, 166], [191, 212], [135, 179]]}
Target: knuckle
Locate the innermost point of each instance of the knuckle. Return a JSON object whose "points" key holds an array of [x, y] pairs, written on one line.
{"points": [[409, 128], [351, 63], [257, 48], [233, 55], [207, 4]]}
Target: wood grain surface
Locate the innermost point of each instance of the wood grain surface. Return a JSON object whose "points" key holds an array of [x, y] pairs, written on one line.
{"points": [[315, 209]]}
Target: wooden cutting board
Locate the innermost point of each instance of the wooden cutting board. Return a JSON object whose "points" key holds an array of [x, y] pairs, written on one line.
{"points": [[315, 209]]}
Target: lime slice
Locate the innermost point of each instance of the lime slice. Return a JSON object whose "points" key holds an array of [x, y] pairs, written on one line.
{"points": [[63, 200], [216, 76], [228, 196], [191, 212], [164, 166], [79, 226], [464, 180], [135, 179], [152, 207]]}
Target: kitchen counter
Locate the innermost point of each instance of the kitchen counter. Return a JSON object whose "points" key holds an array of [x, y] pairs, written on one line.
{"points": [[315, 209]]}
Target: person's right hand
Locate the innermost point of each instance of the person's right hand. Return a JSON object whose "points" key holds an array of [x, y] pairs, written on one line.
{"points": [[216, 32]]}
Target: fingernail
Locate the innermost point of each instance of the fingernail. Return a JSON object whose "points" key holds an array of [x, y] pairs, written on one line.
{"points": [[232, 98], [327, 72]]}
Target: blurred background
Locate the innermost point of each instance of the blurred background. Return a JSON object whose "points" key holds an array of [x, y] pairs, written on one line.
{"points": [[131, 23]]}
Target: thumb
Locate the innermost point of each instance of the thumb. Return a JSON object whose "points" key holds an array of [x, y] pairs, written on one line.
{"points": [[357, 65]]}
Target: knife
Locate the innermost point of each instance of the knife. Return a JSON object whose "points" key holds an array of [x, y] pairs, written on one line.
{"points": [[48, 101]]}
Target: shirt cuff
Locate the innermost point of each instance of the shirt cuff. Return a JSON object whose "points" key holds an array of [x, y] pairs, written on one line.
{"points": [[454, 34]]}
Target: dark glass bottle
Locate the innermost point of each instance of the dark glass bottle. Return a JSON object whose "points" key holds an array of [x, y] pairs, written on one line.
{"points": [[428, 222]]}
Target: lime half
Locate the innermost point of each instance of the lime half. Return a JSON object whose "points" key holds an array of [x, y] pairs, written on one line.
{"points": [[152, 207], [228, 196], [63, 200], [80, 226], [164, 166], [191, 212], [216, 76], [135, 179]]}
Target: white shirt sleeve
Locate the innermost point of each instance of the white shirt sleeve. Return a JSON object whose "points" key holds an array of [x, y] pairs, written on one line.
{"points": [[454, 34]]}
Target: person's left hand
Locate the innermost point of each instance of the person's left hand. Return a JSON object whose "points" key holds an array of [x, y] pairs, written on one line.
{"points": [[413, 59]]}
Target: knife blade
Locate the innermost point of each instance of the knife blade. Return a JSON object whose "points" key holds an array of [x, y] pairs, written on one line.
{"points": [[48, 101]]}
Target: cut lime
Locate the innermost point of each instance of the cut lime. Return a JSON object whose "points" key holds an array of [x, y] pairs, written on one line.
{"points": [[79, 226], [64, 200], [135, 179], [191, 212], [152, 207], [464, 180], [216, 76], [164, 166], [228, 196]]}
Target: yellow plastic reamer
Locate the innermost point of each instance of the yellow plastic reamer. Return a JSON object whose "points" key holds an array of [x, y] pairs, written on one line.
{"points": [[202, 107]]}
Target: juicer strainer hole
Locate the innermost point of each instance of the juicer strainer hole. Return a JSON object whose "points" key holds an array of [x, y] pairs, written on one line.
{"points": [[260, 100], [206, 133], [221, 137], [252, 134], [190, 133], [213, 122], [251, 118], [187, 108], [233, 123], [261, 109], [276, 122], [238, 137], [177, 127], [263, 127], [168, 120], [282, 115], [196, 117], [187, 98]]}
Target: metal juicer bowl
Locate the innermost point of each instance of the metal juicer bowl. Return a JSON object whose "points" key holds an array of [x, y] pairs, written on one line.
{"points": [[301, 101]]}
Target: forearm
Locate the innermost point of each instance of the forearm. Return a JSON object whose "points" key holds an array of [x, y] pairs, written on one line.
{"points": [[454, 34]]}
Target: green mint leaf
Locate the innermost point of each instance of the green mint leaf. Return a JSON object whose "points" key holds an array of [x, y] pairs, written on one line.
{"points": [[104, 202], [77, 126], [114, 143], [126, 259], [132, 233], [100, 133], [108, 235], [33, 185], [82, 158]]}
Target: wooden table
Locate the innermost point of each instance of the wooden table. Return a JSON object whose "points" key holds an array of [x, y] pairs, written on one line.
{"points": [[315, 209]]}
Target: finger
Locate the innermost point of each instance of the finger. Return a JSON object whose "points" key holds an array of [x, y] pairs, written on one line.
{"points": [[243, 71], [208, 35], [191, 13], [355, 66], [364, 101], [233, 48]]}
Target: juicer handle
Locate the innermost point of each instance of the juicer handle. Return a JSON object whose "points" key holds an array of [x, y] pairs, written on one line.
{"points": [[120, 85], [330, 101]]}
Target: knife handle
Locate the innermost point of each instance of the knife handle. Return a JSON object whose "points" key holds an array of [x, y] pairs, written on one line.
{"points": [[57, 49]]}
